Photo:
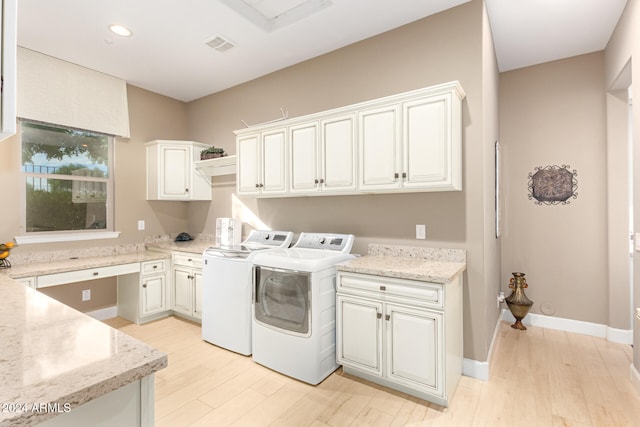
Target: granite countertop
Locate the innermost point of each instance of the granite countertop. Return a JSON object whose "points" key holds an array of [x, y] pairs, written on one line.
{"points": [[54, 354], [408, 262], [20, 270], [193, 246]]}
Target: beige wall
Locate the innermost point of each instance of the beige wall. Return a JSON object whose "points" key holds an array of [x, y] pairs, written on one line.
{"points": [[623, 46], [554, 114], [452, 45]]}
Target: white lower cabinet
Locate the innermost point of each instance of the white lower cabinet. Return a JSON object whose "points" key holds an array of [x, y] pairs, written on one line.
{"points": [[144, 297], [403, 334], [186, 286]]}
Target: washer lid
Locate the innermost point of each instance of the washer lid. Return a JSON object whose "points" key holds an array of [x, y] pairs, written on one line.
{"points": [[257, 240], [301, 259]]}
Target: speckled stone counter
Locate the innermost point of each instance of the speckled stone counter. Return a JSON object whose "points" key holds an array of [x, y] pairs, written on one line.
{"points": [[409, 262], [53, 354], [20, 270]]}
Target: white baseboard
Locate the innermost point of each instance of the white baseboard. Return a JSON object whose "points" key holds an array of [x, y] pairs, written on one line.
{"points": [[619, 336], [634, 376], [477, 369], [104, 313]]}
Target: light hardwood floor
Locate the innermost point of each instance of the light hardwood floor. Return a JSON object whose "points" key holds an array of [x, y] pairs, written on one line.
{"points": [[539, 377]]}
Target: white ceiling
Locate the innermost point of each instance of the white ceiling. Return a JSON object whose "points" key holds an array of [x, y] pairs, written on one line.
{"points": [[167, 53]]}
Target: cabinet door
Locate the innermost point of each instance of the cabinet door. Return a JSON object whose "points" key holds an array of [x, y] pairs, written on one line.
{"points": [[427, 139], [175, 162], [197, 294], [380, 148], [414, 348], [182, 287], [274, 162], [338, 154], [303, 148], [359, 334], [153, 294], [248, 173]]}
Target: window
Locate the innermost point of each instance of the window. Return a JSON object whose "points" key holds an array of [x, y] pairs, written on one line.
{"points": [[68, 180]]}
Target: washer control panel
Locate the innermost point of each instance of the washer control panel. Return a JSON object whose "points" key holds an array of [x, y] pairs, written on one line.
{"points": [[329, 241]]}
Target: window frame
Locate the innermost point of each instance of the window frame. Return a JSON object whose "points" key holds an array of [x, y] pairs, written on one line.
{"points": [[68, 235]]}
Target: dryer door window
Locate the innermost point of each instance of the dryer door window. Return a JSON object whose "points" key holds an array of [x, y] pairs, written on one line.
{"points": [[283, 300]]}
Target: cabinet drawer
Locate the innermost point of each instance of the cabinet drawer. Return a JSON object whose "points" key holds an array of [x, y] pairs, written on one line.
{"points": [[150, 267], [187, 260], [88, 274], [392, 289]]}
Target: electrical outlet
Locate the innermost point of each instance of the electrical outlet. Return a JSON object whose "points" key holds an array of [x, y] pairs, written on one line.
{"points": [[86, 295], [141, 224], [421, 231]]}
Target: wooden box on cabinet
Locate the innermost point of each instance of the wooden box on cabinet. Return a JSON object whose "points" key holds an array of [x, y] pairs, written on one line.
{"points": [[171, 171], [403, 334]]}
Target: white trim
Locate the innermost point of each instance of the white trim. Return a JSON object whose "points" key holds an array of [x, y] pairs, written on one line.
{"points": [[634, 377], [66, 237], [104, 313], [477, 369], [575, 326], [620, 336]]}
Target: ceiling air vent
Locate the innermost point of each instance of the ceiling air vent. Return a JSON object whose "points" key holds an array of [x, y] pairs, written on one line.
{"points": [[220, 43]]}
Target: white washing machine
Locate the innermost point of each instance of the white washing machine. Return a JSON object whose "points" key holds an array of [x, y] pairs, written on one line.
{"points": [[294, 297], [227, 289]]}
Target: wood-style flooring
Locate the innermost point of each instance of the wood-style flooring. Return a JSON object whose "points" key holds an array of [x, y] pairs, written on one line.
{"points": [[539, 377]]}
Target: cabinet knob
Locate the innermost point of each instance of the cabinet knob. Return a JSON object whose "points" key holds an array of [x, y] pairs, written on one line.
{"points": [[155, 266], [383, 288], [396, 175], [379, 315], [404, 174], [261, 185], [95, 273], [316, 181], [321, 181], [387, 317], [186, 190], [257, 185], [144, 286]]}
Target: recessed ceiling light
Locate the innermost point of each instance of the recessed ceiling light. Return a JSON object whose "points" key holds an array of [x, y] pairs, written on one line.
{"points": [[120, 30]]}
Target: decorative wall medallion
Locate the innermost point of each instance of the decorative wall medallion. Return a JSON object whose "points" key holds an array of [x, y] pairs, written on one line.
{"points": [[553, 185]]}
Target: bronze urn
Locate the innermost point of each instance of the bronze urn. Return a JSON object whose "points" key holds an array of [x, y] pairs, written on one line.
{"points": [[518, 302]]}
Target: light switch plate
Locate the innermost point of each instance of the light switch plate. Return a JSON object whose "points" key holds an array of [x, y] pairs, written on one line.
{"points": [[421, 231], [141, 224], [86, 295]]}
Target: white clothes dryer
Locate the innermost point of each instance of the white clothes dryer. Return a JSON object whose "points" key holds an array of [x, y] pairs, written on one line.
{"points": [[294, 316], [227, 289]]}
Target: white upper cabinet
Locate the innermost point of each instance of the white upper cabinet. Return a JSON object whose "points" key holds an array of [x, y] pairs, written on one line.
{"points": [[380, 148], [171, 173], [261, 163], [406, 142], [8, 18], [322, 156]]}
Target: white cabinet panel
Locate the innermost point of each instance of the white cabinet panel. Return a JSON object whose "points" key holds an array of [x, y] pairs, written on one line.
{"points": [[338, 154], [360, 332], [154, 298], [380, 148], [428, 142], [262, 163], [304, 158], [414, 340], [186, 286], [248, 161], [171, 172]]}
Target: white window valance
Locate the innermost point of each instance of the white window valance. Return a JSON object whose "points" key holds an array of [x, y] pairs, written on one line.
{"points": [[55, 91]]}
